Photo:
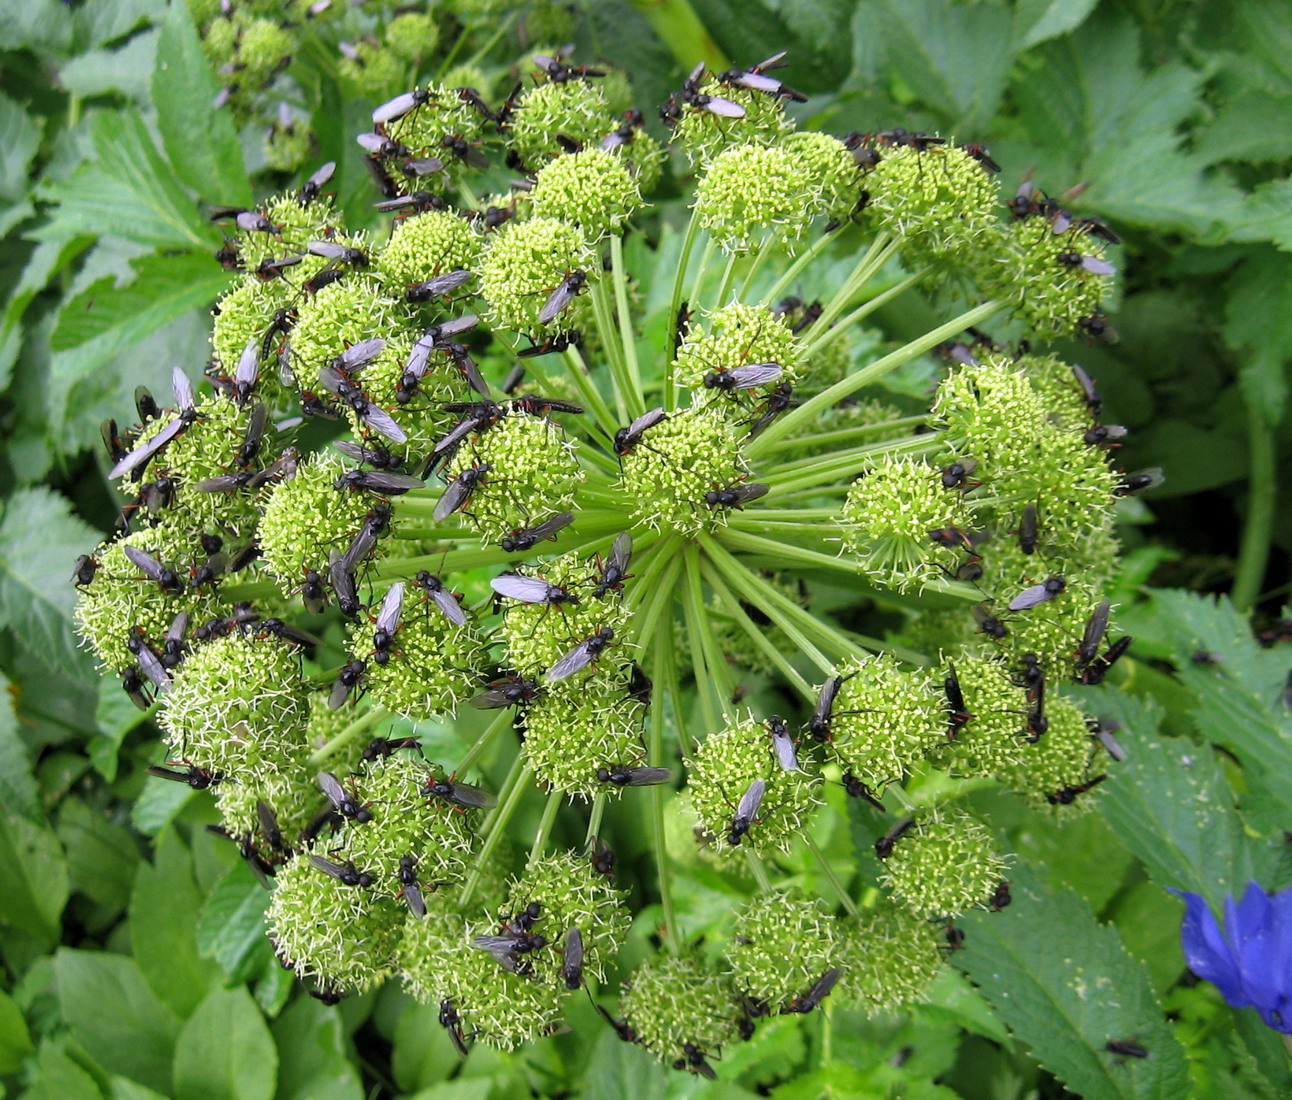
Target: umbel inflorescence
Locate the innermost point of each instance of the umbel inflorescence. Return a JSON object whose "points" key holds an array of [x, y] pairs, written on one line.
{"points": [[476, 467]]}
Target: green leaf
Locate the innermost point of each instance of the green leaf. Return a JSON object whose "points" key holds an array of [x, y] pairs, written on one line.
{"points": [[123, 70], [125, 1089], [1170, 805], [422, 1052], [475, 1088], [1065, 985], [55, 1076], [225, 1051], [108, 20], [1232, 137], [1259, 328], [1266, 215], [312, 1054], [1115, 126], [1239, 700], [17, 784], [39, 542], [33, 878], [15, 1039], [45, 262], [159, 805], [163, 920], [954, 57], [1035, 21], [39, 25], [114, 1015], [19, 140], [115, 716], [127, 190], [621, 1071], [200, 141], [105, 320], [231, 925], [101, 855]]}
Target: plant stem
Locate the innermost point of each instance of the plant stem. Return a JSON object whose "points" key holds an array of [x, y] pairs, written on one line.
{"points": [[755, 634], [724, 287], [795, 269], [352, 732], [550, 811], [602, 310], [760, 258], [665, 667], [1262, 493], [780, 428], [675, 304], [578, 372], [698, 282], [845, 899], [824, 336], [696, 637], [759, 872], [594, 818], [634, 398], [501, 721], [682, 31], [513, 790], [876, 256], [846, 435]]}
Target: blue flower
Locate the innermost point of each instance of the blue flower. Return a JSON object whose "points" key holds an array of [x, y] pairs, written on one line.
{"points": [[1250, 962]]}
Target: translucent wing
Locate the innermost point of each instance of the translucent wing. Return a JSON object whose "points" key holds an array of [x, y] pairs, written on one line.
{"points": [[577, 658], [144, 452], [747, 809], [381, 421], [525, 589], [388, 616]]}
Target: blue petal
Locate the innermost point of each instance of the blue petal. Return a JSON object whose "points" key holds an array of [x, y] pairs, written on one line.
{"points": [[1252, 929], [1206, 951]]}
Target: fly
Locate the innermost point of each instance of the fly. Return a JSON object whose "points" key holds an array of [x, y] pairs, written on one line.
{"points": [[187, 414], [444, 600], [439, 285], [628, 438], [460, 490], [746, 811], [350, 677], [885, 844], [387, 626], [562, 296], [614, 571], [783, 744], [737, 496], [623, 776], [814, 996], [313, 187], [743, 378], [460, 794], [409, 889], [532, 590], [572, 959], [581, 655], [1038, 594], [525, 538], [345, 873], [344, 802]]}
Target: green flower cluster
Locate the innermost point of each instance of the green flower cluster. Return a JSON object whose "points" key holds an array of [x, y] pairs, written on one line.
{"points": [[479, 460]]}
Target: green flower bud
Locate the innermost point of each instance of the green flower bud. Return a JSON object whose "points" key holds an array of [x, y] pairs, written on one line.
{"points": [[665, 477], [203, 11], [539, 635], [220, 41], [1059, 391], [467, 75], [287, 148], [533, 472], [1062, 767], [892, 956], [238, 705], [444, 114], [1051, 630], [577, 729], [677, 1005], [703, 135], [991, 411], [412, 35], [121, 601], [339, 315], [548, 21], [427, 245], [344, 937], [939, 200], [826, 162], [406, 822], [576, 109], [592, 189], [885, 719], [889, 517], [945, 863], [294, 798], [781, 945], [305, 517], [497, 1006], [740, 335], [721, 772], [428, 668], [992, 739], [752, 195], [644, 157], [525, 262], [571, 895], [1042, 275], [372, 73], [263, 47]]}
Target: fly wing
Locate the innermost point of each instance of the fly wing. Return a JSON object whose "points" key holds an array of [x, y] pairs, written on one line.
{"points": [[491, 700], [329, 868], [1094, 632], [525, 589], [1030, 597], [647, 420], [756, 374], [454, 497], [466, 795], [578, 658], [141, 454], [502, 948], [450, 442], [320, 178], [759, 83], [354, 450], [248, 364], [331, 379], [1096, 266], [726, 108], [393, 109], [269, 823], [419, 359], [446, 283], [747, 809], [422, 166], [372, 144], [550, 526], [359, 355], [752, 491], [360, 546], [388, 616], [178, 627], [621, 550], [561, 297], [572, 955], [153, 669], [647, 777], [774, 62], [786, 755], [327, 249], [150, 566], [456, 326], [225, 483], [470, 371], [381, 421], [413, 896], [385, 481], [821, 988], [449, 607], [331, 787]]}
